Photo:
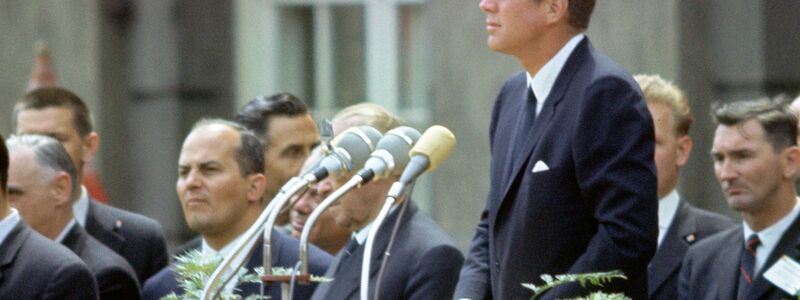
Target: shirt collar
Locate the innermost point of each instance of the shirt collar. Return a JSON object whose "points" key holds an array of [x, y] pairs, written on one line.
{"points": [[361, 235], [770, 236], [542, 82], [667, 209], [81, 207], [8, 223], [65, 231], [210, 252]]}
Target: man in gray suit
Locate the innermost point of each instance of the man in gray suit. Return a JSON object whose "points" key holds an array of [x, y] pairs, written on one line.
{"points": [[424, 262], [756, 161], [680, 224], [32, 266], [42, 186]]}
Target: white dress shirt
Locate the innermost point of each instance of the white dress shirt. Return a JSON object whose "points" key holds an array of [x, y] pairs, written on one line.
{"points": [[770, 236], [81, 207], [210, 253], [667, 209], [543, 81], [63, 234], [8, 223]]}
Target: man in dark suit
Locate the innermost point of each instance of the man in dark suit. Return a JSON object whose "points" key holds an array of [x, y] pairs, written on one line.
{"points": [[756, 161], [284, 125], [424, 261], [42, 187], [680, 225], [573, 183], [220, 186], [60, 114], [32, 266]]}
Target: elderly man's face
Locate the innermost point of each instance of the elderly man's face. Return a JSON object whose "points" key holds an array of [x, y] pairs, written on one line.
{"points": [[33, 190]]}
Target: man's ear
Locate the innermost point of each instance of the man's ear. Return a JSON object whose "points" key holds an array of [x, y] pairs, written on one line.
{"points": [[61, 189], [684, 149], [90, 144], [257, 184], [791, 162], [556, 10]]}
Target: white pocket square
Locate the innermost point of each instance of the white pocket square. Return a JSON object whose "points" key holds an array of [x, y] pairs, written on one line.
{"points": [[540, 166]]}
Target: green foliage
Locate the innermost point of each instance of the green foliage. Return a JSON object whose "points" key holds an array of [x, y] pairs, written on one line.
{"points": [[595, 279]]}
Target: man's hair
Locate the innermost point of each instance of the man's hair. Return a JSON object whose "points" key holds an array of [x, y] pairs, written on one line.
{"points": [[658, 90], [3, 164], [368, 114], [779, 123], [580, 13], [249, 154], [49, 154], [46, 97], [255, 115]]}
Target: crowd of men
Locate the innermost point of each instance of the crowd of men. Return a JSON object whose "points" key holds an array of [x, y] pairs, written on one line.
{"points": [[584, 178]]}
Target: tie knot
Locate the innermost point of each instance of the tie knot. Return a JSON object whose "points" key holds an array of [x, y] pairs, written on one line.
{"points": [[752, 243]]}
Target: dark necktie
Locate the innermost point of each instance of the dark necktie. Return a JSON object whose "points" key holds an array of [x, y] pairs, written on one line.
{"points": [[746, 266], [525, 124], [349, 249]]}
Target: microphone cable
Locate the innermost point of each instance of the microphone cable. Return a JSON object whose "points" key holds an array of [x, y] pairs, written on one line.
{"points": [[392, 237]]}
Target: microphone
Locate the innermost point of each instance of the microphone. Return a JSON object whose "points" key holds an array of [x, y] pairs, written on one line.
{"points": [[351, 149], [391, 155], [433, 147]]}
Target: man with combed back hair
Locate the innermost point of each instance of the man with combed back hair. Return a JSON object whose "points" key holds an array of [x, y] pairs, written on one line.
{"points": [[220, 187], [62, 115], [573, 183], [680, 225], [32, 266], [284, 125], [424, 261], [756, 161], [42, 186]]}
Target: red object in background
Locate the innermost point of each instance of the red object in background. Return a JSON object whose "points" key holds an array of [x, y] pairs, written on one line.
{"points": [[43, 75]]}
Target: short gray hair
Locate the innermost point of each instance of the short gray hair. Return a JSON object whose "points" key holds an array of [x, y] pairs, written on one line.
{"points": [[49, 153], [780, 124]]}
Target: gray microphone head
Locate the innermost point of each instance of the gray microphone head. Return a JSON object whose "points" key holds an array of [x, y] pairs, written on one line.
{"points": [[397, 143], [359, 142]]}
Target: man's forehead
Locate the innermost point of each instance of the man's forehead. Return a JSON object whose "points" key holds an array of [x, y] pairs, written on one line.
{"points": [[46, 121], [204, 144]]}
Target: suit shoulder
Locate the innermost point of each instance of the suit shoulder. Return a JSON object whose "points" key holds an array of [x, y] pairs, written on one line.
{"points": [[711, 245], [160, 284], [109, 214], [318, 259], [427, 234], [103, 260], [710, 222]]}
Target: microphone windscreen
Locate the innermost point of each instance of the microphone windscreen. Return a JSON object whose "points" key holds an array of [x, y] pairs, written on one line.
{"points": [[398, 143], [436, 143], [359, 142]]}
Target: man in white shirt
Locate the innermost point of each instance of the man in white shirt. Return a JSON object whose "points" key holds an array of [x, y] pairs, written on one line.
{"points": [[756, 161], [679, 224], [32, 266], [41, 185], [220, 187]]}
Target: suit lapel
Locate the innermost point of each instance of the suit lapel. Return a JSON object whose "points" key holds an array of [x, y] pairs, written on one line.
{"points": [[726, 268], [100, 225], [74, 240], [789, 245], [673, 248], [11, 245], [546, 115]]}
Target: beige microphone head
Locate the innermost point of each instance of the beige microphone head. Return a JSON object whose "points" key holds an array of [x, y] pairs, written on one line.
{"points": [[436, 143]]}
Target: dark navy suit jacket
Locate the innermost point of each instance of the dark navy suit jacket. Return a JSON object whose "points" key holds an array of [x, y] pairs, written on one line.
{"points": [[689, 226], [138, 239], [593, 208], [35, 267], [711, 268], [286, 253], [423, 264], [115, 277]]}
